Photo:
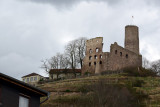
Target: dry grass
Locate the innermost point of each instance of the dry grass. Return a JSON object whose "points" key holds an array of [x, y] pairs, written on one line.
{"points": [[65, 92]]}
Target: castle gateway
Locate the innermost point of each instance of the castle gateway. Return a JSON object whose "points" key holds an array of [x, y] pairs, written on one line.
{"points": [[97, 61]]}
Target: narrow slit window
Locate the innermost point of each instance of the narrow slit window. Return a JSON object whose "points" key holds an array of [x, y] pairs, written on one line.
{"points": [[115, 51], [94, 63], [127, 56], [100, 56], [120, 53]]}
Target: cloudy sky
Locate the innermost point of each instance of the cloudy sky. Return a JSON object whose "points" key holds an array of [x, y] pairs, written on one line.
{"points": [[32, 30]]}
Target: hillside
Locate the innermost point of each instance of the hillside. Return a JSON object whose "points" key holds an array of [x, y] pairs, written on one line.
{"points": [[114, 90]]}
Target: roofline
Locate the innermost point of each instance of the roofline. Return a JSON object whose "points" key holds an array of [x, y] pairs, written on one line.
{"points": [[23, 85], [31, 73]]}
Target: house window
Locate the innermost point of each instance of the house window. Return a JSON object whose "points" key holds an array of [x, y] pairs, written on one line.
{"points": [[23, 79], [90, 64], [27, 79], [120, 53], [127, 56], [23, 101], [31, 79], [94, 63], [90, 57], [115, 51], [100, 56], [95, 56], [90, 51], [35, 78]]}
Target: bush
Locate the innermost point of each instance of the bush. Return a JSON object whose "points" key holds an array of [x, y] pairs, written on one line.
{"points": [[106, 72], [139, 72], [87, 73], [137, 83], [68, 90]]}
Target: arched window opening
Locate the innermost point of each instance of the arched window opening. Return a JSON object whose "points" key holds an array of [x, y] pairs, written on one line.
{"points": [[120, 53], [100, 62], [127, 56], [90, 51], [90, 57], [100, 56], [97, 49], [94, 63], [95, 56], [90, 64], [115, 51]]}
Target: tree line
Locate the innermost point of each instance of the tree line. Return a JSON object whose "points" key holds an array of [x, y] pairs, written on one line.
{"points": [[71, 58], [154, 66], [73, 55]]}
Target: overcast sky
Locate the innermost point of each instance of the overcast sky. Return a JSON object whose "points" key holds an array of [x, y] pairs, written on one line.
{"points": [[32, 30]]}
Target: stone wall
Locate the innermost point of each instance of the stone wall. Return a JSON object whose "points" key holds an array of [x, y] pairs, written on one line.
{"points": [[97, 61]]}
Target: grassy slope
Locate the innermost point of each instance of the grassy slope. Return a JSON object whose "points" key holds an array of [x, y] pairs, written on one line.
{"points": [[64, 93]]}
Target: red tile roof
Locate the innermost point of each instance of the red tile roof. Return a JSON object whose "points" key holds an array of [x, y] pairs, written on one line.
{"points": [[32, 74], [54, 71]]}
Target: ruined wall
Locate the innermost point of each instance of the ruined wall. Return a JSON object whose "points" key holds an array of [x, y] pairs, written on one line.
{"points": [[120, 58], [97, 61], [94, 56]]}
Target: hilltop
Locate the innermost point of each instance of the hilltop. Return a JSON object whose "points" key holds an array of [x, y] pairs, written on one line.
{"points": [[115, 90]]}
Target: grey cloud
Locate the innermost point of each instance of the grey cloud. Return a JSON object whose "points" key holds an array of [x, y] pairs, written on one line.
{"points": [[31, 31], [69, 3]]}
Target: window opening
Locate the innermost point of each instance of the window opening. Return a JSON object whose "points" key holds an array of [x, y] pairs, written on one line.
{"points": [[120, 53], [127, 56], [115, 51], [90, 57], [95, 56], [97, 49]]}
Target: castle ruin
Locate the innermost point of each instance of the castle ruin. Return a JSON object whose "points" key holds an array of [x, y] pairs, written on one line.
{"points": [[97, 61]]}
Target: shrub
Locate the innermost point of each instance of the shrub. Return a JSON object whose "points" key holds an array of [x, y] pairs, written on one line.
{"points": [[68, 90], [106, 72], [137, 83], [139, 72], [87, 73]]}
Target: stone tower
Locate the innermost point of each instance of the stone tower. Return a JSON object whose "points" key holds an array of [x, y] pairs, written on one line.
{"points": [[132, 38]]}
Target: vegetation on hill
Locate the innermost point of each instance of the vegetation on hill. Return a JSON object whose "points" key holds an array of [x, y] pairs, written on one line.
{"points": [[114, 90]]}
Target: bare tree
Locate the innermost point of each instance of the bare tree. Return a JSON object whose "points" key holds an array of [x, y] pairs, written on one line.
{"points": [[155, 66], [80, 50], [56, 62], [70, 52], [72, 58], [145, 62], [45, 65]]}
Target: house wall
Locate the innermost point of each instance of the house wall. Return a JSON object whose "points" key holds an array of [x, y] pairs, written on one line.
{"points": [[10, 96], [34, 82], [63, 75]]}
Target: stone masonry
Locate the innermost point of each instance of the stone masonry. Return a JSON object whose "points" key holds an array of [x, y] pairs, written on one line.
{"points": [[97, 61]]}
